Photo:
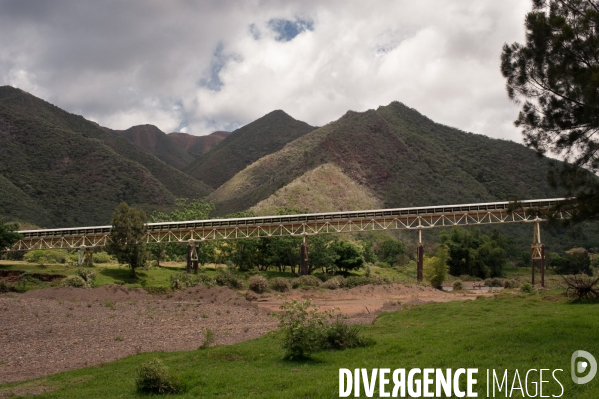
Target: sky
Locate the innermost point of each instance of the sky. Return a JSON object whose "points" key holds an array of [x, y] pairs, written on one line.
{"points": [[203, 66]]}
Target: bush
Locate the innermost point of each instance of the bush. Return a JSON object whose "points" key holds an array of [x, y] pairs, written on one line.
{"points": [[251, 296], [467, 277], [46, 256], [340, 335], [334, 283], [6, 287], [280, 284], [258, 284], [494, 282], [526, 288], [154, 377], [305, 281], [209, 338], [184, 280], [511, 284], [228, 279], [75, 281], [306, 331], [87, 275], [101, 257], [458, 286]]}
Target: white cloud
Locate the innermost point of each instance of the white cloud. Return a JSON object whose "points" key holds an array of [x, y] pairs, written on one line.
{"points": [[217, 65]]}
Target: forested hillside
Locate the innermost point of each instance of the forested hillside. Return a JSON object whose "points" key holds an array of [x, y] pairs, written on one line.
{"points": [[402, 157], [58, 169]]}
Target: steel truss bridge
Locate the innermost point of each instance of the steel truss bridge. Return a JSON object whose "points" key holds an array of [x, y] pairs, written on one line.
{"points": [[415, 218]]}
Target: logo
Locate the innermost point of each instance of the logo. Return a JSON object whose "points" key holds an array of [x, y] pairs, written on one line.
{"points": [[581, 366]]}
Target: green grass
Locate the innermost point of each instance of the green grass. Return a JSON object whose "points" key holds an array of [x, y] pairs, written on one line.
{"points": [[507, 332]]}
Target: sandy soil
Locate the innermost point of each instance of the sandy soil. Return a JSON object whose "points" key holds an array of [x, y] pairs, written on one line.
{"points": [[56, 329]]}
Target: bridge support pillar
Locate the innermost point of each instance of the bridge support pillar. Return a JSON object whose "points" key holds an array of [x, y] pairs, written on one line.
{"points": [[419, 257], [85, 256], [537, 253], [192, 257], [304, 258]]}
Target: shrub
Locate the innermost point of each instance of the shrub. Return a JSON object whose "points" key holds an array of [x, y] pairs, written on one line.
{"points": [[46, 256], [458, 286], [101, 257], [251, 296], [74, 281], [526, 288], [6, 287], [334, 283], [258, 284], [280, 284], [305, 281], [209, 339], [494, 282], [511, 284], [87, 275], [305, 331], [340, 335], [228, 279], [183, 280], [154, 377], [467, 277]]}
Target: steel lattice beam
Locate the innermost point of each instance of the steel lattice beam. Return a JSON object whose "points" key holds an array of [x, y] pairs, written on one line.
{"points": [[416, 218]]}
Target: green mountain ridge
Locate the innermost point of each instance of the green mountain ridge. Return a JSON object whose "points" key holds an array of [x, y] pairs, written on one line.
{"points": [[245, 146], [58, 169], [403, 157]]}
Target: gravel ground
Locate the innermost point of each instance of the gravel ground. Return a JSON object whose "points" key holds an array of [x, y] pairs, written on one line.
{"points": [[51, 330], [56, 329]]}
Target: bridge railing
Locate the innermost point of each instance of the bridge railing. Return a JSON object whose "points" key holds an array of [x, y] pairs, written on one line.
{"points": [[413, 218]]}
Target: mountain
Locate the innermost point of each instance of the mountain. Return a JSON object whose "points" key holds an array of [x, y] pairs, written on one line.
{"points": [[323, 189], [245, 146], [197, 145], [58, 169], [400, 156], [154, 141]]}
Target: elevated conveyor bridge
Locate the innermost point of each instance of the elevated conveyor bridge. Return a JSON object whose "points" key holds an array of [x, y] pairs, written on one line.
{"points": [[193, 232]]}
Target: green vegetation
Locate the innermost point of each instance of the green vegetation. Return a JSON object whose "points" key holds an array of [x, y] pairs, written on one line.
{"points": [[435, 267], [474, 254], [306, 331], [154, 377], [553, 76], [539, 330], [59, 169], [127, 236], [8, 234], [246, 145]]}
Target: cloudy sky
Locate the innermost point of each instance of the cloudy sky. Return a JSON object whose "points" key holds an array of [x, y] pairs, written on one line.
{"points": [[200, 66]]}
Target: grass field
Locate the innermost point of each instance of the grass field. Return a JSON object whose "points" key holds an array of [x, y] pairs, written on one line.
{"points": [[510, 331]]}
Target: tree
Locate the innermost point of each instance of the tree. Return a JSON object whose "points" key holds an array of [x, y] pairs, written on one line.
{"points": [[389, 250], [128, 236], [555, 76], [349, 255], [435, 267], [474, 254], [8, 235]]}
